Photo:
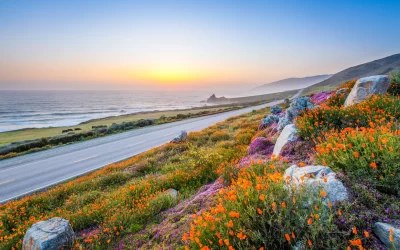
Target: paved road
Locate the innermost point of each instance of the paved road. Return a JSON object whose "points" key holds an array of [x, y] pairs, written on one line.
{"points": [[29, 173]]}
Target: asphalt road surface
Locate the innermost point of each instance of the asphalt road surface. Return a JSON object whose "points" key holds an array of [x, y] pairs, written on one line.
{"points": [[25, 174]]}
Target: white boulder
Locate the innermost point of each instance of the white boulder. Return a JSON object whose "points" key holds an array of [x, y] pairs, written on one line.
{"points": [[53, 234], [317, 177], [367, 86], [288, 134]]}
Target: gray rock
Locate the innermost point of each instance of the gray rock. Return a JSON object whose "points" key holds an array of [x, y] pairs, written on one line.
{"points": [[172, 192], [340, 91], [53, 234], [382, 230], [181, 138], [367, 86], [288, 134], [314, 179]]}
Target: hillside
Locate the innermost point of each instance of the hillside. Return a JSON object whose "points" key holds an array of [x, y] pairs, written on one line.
{"points": [[245, 183], [251, 99], [290, 84], [382, 66]]}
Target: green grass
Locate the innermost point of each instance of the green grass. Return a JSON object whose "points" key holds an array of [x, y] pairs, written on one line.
{"points": [[122, 198]]}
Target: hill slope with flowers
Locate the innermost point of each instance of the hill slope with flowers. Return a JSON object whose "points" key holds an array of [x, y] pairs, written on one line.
{"points": [[233, 193]]}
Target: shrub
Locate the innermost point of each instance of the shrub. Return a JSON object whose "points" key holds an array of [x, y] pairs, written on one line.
{"points": [[257, 211], [380, 109], [261, 145], [368, 153], [338, 97], [275, 109], [219, 136], [394, 88]]}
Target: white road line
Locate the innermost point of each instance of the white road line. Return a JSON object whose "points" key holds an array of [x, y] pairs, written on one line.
{"points": [[135, 144], [4, 182], [85, 159]]}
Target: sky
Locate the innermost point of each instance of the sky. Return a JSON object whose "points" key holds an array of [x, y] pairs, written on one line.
{"points": [[188, 44]]}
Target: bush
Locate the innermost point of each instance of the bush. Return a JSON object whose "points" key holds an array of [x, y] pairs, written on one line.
{"points": [[338, 97], [219, 136], [371, 154], [275, 109], [394, 88], [257, 211], [380, 109]]}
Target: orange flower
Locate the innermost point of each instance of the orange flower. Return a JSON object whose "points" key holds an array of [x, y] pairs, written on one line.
{"points": [[355, 154], [230, 223], [293, 235], [309, 242], [259, 211], [185, 237], [329, 204], [322, 193], [325, 179], [283, 205], [287, 236], [273, 205], [391, 238], [339, 213], [226, 242], [301, 164], [309, 222], [366, 234], [261, 197], [391, 231], [354, 230], [234, 214], [373, 165], [356, 242], [294, 200]]}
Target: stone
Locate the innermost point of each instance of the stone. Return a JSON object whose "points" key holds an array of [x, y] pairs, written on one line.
{"points": [[314, 179], [275, 109], [181, 138], [367, 86], [260, 145], [172, 192], [382, 230], [288, 134], [340, 91], [53, 234]]}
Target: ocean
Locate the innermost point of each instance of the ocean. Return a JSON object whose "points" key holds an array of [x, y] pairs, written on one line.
{"points": [[38, 109]]}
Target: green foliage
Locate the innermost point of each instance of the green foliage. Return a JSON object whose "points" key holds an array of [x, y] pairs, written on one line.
{"points": [[258, 211], [394, 88]]}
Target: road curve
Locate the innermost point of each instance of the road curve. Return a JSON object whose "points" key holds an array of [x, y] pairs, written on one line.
{"points": [[26, 174]]}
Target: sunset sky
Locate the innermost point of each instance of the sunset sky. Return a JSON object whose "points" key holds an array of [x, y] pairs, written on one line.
{"points": [[186, 44]]}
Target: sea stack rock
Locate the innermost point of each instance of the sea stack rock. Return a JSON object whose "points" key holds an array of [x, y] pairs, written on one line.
{"points": [[53, 234], [367, 86]]}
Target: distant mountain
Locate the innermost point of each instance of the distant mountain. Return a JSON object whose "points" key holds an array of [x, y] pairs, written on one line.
{"points": [[382, 66], [290, 84]]}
